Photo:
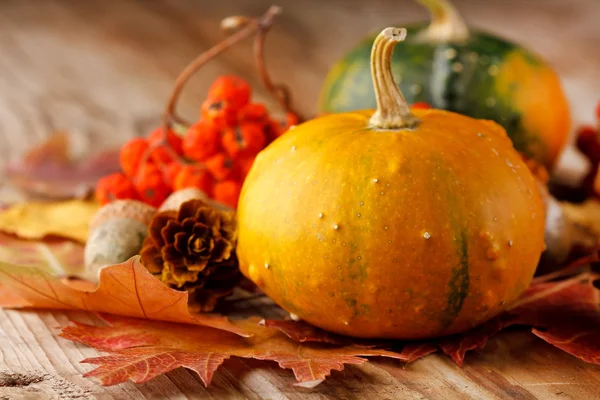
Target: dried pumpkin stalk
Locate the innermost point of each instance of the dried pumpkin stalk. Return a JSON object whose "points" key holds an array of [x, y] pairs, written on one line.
{"points": [[193, 249]]}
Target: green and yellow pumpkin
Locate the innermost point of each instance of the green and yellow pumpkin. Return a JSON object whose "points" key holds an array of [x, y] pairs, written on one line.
{"points": [[391, 223], [452, 67]]}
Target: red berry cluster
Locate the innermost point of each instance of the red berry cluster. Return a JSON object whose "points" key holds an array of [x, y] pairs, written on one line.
{"points": [[214, 155], [588, 142]]}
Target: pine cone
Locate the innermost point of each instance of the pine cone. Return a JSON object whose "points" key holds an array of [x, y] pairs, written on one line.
{"points": [[193, 249]]}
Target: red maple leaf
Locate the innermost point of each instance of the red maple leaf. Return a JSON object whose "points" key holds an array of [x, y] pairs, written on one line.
{"points": [[141, 350]]}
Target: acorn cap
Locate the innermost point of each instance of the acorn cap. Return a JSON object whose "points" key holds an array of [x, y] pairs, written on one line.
{"points": [[129, 209]]}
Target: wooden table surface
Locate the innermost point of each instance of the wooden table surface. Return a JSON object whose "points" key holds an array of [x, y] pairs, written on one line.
{"points": [[102, 70]]}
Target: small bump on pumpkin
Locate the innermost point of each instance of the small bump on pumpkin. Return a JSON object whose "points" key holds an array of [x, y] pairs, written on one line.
{"points": [[509, 163], [336, 227], [314, 225], [362, 203], [426, 235], [479, 134], [389, 242], [358, 215], [510, 243], [493, 252], [478, 277], [293, 148], [495, 219], [346, 323], [375, 180], [267, 266], [382, 193], [295, 317], [359, 258], [321, 215], [457, 67], [343, 243], [385, 228]]}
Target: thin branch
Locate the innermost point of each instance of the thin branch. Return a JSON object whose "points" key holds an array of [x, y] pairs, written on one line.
{"points": [[250, 28]]}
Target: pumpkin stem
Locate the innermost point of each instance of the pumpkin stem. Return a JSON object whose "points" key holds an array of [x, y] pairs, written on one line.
{"points": [[392, 110], [446, 23]]}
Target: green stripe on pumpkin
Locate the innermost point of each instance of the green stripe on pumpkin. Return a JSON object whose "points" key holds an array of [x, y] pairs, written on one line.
{"points": [[458, 288]]}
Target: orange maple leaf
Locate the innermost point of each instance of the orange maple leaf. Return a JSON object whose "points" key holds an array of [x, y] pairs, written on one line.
{"points": [[125, 289], [141, 350]]}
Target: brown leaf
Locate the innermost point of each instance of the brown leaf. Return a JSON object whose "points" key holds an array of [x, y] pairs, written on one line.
{"points": [[300, 331], [56, 257], [38, 220], [125, 289], [580, 341], [546, 304], [49, 172], [456, 346], [140, 350]]}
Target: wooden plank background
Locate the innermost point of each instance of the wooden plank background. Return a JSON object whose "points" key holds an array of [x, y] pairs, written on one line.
{"points": [[102, 70]]}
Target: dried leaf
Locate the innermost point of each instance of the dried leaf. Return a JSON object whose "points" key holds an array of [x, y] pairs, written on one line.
{"points": [[56, 257], [413, 351], [300, 331], [580, 341], [548, 304], [456, 346], [38, 220], [49, 171], [141, 350], [125, 289]]}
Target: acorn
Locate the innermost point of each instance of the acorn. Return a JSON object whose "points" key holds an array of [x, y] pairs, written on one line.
{"points": [[117, 232]]}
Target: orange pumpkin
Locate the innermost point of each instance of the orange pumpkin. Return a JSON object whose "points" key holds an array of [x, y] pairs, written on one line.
{"points": [[391, 223]]}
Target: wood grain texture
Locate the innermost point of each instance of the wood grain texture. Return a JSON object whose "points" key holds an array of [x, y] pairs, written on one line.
{"points": [[102, 70]]}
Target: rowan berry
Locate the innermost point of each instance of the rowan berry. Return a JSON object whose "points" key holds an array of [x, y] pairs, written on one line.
{"points": [[244, 165], [150, 184], [170, 172], [201, 141], [420, 105], [245, 139], [219, 112], [221, 167], [194, 176], [131, 155], [227, 192], [161, 145], [115, 187], [231, 89], [253, 112]]}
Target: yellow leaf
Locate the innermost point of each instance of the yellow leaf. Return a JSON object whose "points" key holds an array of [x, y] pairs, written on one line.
{"points": [[37, 220]]}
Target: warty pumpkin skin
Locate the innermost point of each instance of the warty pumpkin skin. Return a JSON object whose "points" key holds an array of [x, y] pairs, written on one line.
{"points": [[393, 224], [475, 73]]}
